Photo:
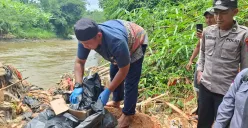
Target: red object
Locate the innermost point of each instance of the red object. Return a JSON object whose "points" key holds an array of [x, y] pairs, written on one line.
{"points": [[70, 84]]}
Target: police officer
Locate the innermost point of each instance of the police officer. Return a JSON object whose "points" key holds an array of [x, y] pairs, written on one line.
{"points": [[233, 109], [223, 48], [209, 20], [122, 43]]}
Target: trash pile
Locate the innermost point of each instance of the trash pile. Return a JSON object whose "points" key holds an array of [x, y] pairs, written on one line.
{"points": [[23, 105]]}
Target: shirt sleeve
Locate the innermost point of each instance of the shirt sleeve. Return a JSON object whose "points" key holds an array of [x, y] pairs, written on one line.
{"points": [[226, 108], [121, 54], [201, 59], [82, 53], [244, 53]]}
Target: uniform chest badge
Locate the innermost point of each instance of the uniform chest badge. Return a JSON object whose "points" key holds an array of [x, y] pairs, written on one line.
{"points": [[218, 2]]}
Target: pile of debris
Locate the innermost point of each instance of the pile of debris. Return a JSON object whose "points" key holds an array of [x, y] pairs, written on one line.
{"points": [[25, 105]]}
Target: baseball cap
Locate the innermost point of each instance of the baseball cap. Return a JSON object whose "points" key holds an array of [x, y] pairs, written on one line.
{"points": [[209, 11], [85, 29], [225, 4]]}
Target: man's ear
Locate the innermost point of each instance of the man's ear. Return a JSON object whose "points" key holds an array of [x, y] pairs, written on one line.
{"points": [[235, 11], [99, 34]]}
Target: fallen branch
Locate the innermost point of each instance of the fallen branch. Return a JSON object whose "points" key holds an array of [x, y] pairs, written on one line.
{"points": [[177, 110], [150, 99], [103, 71], [147, 101], [13, 84], [104, 65]]}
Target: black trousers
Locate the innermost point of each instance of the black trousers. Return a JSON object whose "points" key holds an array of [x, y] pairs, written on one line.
{"points": [[208, 106]]}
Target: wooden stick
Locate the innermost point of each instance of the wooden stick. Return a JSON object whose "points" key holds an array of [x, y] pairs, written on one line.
{"points": [[150, 99], [13, 84], [177, 110], [103, 71], [103, 65], [147, 101]]}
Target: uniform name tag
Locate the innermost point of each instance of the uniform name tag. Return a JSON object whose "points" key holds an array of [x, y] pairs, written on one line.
{"points": [[210, 37], [233, 40]]}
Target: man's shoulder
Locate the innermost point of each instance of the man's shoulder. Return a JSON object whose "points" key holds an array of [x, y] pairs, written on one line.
{"points": [[111, 22], [243, 29]]}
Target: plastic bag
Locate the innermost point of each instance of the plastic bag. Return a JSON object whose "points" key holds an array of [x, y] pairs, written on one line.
{"points": [[100, 118], [92, 89], [47, 119]]}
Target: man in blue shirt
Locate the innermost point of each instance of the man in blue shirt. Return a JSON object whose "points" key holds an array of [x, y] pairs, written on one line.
{"points": [[233, 109], [122, 43]]}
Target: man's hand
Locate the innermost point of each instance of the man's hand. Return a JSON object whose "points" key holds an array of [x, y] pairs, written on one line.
{"points": [[104, 96], [199, 75], [188, 67], [199, 35], [76, 92]]}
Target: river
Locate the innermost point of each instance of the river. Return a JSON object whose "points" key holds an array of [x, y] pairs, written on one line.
{"points": [[44, 62]]}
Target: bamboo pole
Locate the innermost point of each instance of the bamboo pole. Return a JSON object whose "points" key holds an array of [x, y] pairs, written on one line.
{"points": [[13, 84]]}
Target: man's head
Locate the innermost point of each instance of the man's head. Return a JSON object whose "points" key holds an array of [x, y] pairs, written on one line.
{"points": [[209, 16], [88, 33], [224, 11]]}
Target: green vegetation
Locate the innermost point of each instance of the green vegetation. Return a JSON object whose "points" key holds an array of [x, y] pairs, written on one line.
{"points": [[171, 28], [43, 18], [65, 13], [18, 18], [96, 15]]}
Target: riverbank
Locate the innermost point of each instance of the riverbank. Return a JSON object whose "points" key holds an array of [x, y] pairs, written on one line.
{"points": [[12, 39]]}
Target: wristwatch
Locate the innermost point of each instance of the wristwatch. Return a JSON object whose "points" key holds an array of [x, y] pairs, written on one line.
{"points": [[77, 85]]}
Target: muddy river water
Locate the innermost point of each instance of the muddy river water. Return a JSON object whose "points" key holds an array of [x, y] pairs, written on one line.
{"points": [[44, 62]]}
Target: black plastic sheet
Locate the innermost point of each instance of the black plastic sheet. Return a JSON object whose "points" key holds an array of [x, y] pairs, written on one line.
{"points": [[47, 119]]}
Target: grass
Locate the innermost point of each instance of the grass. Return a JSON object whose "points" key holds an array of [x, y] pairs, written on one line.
{"points": [[35, 33]]}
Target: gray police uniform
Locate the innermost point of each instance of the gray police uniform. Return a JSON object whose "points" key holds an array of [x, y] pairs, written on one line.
{"points": [[233, 108], [220, 55]]}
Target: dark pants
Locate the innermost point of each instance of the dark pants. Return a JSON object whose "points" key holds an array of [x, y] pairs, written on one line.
{"points": [[208, 106], [130, 85]]}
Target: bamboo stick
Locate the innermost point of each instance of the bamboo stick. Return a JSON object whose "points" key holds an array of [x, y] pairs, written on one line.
{"points": [[177, 110], [13, 84]]}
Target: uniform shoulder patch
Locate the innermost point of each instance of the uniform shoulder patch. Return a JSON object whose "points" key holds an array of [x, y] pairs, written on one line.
{"points": [[246, 40], [243, 27]]}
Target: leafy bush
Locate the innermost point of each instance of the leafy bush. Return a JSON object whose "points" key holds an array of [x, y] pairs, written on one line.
{"points": [[171, 28], [16, 17]]}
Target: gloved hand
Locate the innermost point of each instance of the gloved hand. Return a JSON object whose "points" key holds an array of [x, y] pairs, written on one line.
{"points": [[76, 92], [104, 96]]}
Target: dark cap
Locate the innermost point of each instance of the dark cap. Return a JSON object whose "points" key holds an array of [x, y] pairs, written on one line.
{"points": [[85, 29], [209, 11], [225, 4]]}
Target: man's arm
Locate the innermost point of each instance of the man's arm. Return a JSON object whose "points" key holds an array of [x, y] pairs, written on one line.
{"points": [[119, 77], [201, 60], [226, 108], [122, 56], [244, 53], [195, 53], [79, 70]]}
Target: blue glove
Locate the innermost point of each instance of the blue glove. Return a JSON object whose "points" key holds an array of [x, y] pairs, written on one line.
{"points": [[104, 96], [76, 92]]}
